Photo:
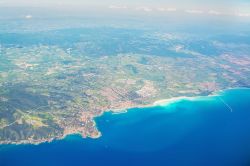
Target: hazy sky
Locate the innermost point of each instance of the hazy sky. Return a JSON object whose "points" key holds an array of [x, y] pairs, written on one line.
{"points": [[177, 3], [213, 7], [129, 2]]}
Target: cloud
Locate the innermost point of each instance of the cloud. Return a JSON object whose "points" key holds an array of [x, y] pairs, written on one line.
{"points": [[182, 49], [144, 8], [195, 11], [171, 9], [167, 9], [118, 7], [178, 48], [28, 17], [213, 12], [243, 14], [161, 9]]}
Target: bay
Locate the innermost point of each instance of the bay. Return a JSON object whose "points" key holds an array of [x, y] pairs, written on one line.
{"points": [[213, 130]]}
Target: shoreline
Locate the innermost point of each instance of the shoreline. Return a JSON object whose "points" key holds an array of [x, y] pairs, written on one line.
{"points": [[162, 102], [165, 102]]}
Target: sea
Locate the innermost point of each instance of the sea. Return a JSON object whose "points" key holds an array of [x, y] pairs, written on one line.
{"points": [[203, 131]]}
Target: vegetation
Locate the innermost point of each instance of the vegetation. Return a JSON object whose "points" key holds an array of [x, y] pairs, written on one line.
{"points": [[50, 90]]}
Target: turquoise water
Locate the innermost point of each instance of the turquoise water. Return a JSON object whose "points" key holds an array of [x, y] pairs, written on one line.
{"points": [[212, 131]]}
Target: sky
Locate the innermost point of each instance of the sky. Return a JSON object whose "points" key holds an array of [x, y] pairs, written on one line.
{"points": [[240, 8], [178, 3]]}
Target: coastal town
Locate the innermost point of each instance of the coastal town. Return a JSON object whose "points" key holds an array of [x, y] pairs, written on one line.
{"points": [[48, 91]]}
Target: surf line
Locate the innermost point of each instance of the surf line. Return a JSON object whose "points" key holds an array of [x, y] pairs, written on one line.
{"points": [[227, 105]]}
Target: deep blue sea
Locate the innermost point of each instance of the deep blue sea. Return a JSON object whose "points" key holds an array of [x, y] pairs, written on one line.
{"points": [[200, 132]]}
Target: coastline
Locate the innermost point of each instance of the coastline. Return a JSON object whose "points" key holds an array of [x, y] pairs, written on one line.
{"points": [[162, 102], [165, 102]]}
